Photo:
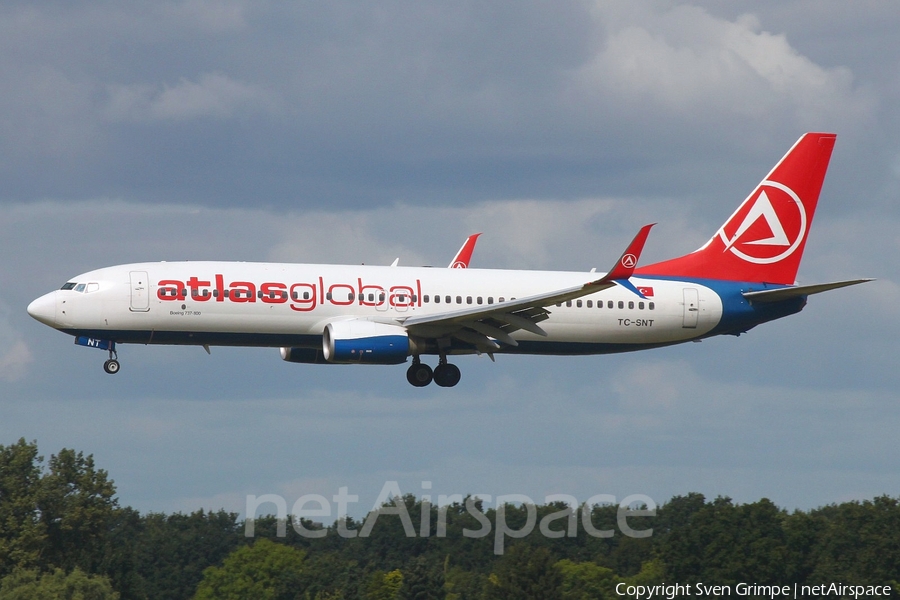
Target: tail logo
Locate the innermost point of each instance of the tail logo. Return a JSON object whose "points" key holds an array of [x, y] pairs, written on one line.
{"points": [[768, 227], [459, 265], [629, 261]]}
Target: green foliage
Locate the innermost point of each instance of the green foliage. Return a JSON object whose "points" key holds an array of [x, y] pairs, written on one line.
{"points": [[57, 585], [525, 573], [384, 586], [173, 550], [62, 530], [22, 533], [586, 581], [423, 581], [263, 571], [57, 518], [728, 544], [652, 572]]}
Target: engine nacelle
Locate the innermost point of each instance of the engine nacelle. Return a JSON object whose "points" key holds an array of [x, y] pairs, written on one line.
{"points": [[365, 342], [310, 356]]}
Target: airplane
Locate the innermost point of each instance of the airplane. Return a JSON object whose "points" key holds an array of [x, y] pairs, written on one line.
{"points": [[743, 276]]}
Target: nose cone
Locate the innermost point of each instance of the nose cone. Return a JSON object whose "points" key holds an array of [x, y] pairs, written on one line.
{"points": [[44, 309]]}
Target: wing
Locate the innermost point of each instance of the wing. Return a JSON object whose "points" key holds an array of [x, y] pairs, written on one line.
{"points": [[478, 325]]}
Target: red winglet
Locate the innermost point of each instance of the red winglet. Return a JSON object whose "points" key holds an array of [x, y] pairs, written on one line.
{"points": [[462, 258], [626, 264]]}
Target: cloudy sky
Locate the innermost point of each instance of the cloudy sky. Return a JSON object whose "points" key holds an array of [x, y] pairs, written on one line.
{"points": [[363, 131]]}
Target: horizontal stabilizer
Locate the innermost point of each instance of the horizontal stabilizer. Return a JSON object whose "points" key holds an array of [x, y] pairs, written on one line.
{"points": [[787, 293]]}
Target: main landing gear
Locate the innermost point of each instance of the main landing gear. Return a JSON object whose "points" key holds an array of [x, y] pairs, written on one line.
{"points": [[445, 374], [111, 366]]}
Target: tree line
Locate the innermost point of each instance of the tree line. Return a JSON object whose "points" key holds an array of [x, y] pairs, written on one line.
{"points": [[63, 534]]}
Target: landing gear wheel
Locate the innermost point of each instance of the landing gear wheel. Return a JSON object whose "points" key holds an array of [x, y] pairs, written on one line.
{"points": [[419, 374], [111, 366], [447, 375]]}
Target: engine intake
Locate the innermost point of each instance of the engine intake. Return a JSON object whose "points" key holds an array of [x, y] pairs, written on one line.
{"points": [[365, 342]]}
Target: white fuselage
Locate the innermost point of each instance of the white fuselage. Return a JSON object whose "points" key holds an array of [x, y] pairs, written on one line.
{"points": [[265, 304]]}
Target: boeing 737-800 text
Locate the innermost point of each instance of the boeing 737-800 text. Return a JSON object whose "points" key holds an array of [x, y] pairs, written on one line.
{"points": [[743, 276]]}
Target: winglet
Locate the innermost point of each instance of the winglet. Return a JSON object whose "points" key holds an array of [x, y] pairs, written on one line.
{"points": [[462, 258], [626, 264]]}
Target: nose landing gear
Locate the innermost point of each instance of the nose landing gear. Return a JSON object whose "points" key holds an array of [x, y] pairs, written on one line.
{"points": [[111, 366]]}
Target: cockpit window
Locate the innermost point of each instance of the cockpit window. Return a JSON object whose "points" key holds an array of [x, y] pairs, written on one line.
{"points": [[68, 286], [79, 287], [92, 287]]}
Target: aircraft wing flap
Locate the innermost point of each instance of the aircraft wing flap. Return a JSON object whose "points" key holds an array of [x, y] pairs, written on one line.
{"points": [[786, 293]]}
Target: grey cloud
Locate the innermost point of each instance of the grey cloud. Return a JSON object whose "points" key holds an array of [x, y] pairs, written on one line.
{"points": [[228, 103], [214, 95]]}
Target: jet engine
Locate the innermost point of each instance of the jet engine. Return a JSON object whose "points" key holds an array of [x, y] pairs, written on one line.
{"points": [[310, 356], [366, 342]]}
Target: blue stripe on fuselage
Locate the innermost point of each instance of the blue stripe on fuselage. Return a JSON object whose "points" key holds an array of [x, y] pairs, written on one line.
{"points": [[739, 315]]}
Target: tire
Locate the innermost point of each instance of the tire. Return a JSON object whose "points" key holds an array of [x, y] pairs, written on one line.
{"points": [[419, 375], [447, 375], [111, 366]]}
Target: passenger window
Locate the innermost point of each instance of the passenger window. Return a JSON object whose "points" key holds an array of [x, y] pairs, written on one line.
{"points": [[79, 287], [425, 298], [306, 295], [361, 297], [500, 299], [437, 299], [478, 300], [578, 303], [651, 306], [328, 296], [630, 304], [621, 304], [468, 299], [641, 305], [459, 299], [590, 304], [414, 298], [569, 303], [381, 297], [447, 299], [609, 304], [490, 299], [350, 296]]}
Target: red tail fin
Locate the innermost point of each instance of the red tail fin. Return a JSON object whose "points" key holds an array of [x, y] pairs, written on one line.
{"points": [[764, 239]]}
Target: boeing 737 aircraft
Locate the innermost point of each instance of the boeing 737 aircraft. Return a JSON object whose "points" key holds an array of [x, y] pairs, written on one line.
{"points": [[348, 314]]}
